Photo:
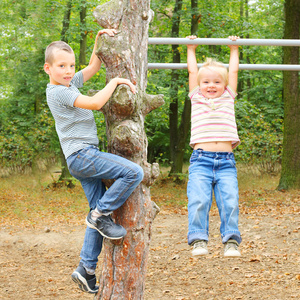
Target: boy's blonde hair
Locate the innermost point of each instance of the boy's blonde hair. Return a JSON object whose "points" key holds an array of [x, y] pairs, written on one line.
{"points": [[58, 45], [215, 66]]}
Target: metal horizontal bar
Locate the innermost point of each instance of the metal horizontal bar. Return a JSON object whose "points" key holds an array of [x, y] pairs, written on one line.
{"points": [[216, 41], [241, 66]]}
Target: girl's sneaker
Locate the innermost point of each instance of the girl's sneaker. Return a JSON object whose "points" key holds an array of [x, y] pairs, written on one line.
{"points": [[231, 249], [199, 248]]}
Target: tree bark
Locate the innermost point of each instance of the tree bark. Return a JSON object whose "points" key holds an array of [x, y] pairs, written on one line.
{"points": [[176, 162], [290, 174], [83, 34], [125, 55], [65, 178], [179, 135], [66, 22]]}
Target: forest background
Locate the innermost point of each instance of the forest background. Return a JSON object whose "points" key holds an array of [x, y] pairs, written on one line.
{"points": [[27, 133]]}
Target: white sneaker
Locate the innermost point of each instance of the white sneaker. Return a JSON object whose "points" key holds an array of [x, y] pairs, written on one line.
{"points": [[231, 249], [199, 248]]}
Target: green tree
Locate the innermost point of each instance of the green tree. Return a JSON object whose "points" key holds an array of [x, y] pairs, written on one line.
{"points": [[290, 174]]}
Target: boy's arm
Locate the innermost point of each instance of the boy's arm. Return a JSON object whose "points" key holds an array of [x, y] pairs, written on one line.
{"points": [[233, 64], [95, 62], [97, 101], [192, 64]]}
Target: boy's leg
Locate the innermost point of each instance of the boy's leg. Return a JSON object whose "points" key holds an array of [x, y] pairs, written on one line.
{"points": [[84, 275], [94, 165], [227, 198], [91, 166], [199, 192]]}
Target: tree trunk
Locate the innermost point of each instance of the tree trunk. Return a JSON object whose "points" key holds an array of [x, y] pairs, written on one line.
{"points": [[248, 81], [66, 22], [290, 174], [125, 55], [65, 177], [181, 133], [173, 115], [195, 17], [83, 34]]}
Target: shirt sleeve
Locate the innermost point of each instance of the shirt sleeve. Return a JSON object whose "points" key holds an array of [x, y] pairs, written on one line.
{"points": [[231, 92], [193, 92], [78, 80], [66, 96]]}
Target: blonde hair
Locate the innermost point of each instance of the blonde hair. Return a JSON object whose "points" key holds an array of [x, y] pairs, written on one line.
{"points": [[58, 45], [215, 66]]}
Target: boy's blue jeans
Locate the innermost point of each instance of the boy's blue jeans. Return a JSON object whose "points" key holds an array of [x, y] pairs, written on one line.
{"points": [[90, 166], [212, 171]]}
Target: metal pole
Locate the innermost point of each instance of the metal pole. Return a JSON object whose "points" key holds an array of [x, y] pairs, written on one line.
{"points": [[215, 41], [241, 66]]}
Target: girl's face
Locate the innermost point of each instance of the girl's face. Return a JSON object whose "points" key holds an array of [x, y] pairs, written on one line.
{"points": [[212, 84]]}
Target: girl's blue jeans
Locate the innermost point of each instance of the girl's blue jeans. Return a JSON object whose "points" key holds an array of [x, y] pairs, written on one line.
{"points": [[90, 166], [208, 172]]}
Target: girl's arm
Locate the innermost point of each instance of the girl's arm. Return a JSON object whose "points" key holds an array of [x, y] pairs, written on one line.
{"points": [[192, 64], [233, 64], [97, 101], [95, 63]]}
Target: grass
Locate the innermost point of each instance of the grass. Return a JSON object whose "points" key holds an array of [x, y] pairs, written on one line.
{"points": [[28, 199]]}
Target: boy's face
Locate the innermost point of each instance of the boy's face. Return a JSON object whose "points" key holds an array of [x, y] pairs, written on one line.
{"points": [[212, 84], [62, 70]]}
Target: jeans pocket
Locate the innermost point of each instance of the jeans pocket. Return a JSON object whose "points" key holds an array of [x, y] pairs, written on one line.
{"points": [[82, 167], [195, 157], [232, 162]]}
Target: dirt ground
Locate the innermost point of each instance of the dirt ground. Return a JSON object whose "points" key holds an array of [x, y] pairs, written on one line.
{"points": [[37, 264]]}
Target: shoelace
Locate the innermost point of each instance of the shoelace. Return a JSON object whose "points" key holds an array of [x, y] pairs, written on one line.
{"points": [[231, 245], [201, 244]]}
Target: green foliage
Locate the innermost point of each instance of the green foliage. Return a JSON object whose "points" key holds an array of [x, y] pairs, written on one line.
{"points": [[26, 125], [261, 137], [27, 130], [259, 103]]}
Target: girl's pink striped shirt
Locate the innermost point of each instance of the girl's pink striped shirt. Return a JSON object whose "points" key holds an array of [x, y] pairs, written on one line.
{"points": [[213, 120]]}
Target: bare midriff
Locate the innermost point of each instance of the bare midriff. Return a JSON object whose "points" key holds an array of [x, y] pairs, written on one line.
{"points": [[215, 146]]}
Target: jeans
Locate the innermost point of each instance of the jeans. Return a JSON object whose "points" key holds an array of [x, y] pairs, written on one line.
{"points": [[90, 166], [208, 172]]}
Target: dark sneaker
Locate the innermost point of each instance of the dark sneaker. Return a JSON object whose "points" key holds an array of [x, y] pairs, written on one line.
{"points": [[86, 282], [106, 227]]}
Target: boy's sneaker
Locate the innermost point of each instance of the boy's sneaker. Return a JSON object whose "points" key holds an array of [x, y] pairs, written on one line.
{"points": [[86, 282], [106, 227], [231, 249], [199, 248]]}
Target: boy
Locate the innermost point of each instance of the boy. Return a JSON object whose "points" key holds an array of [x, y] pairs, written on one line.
{"points": [[76, 129]]}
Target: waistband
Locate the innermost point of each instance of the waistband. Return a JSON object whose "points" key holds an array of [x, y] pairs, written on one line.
{"points": [[211, 154]]}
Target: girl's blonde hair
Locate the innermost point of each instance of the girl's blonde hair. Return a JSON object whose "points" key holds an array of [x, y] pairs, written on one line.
{"points": [[215, 66]]}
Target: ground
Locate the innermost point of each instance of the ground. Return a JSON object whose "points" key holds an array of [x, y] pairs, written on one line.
{"points": [[37, 263]]}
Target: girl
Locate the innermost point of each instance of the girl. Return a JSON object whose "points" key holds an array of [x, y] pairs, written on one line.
{"points": [[212, 90]]}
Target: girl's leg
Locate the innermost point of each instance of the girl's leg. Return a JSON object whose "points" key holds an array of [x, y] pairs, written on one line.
{"points": [[199, 191], [227, 198]]}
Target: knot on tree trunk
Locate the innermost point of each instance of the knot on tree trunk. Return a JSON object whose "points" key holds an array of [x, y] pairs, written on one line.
{"points": [[123, 104], [109, 15], [127, 139]]}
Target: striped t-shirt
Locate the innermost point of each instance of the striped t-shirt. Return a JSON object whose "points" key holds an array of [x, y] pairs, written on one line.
{"points": [[76, 127], [213, 120]]}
